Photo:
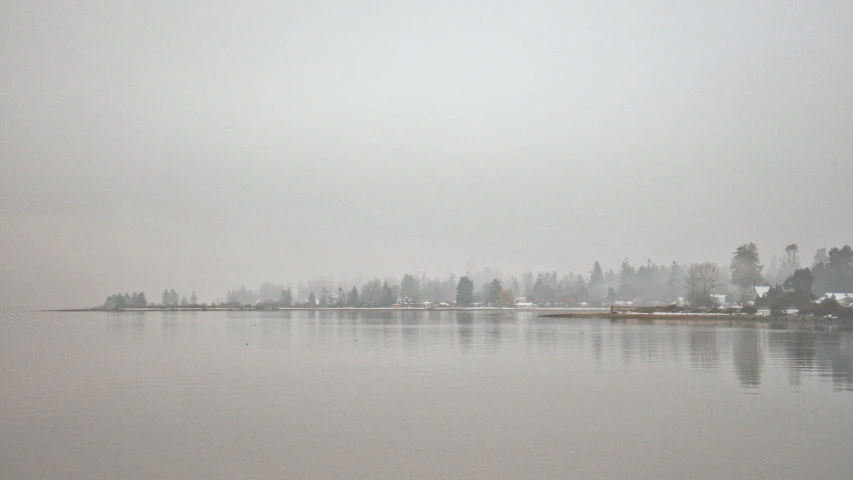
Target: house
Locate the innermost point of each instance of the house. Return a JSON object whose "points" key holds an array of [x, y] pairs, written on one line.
{"points": [[843, 298], [718, 299], [523, 304], [760, 290]]}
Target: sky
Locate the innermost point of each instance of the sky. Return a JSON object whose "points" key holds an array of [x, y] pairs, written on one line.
{"points": [[207, 145]]}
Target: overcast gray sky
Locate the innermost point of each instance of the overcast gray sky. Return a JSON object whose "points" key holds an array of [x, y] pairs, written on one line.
{"points": [[204, 145]]}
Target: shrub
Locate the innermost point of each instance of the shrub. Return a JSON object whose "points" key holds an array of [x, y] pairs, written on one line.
{"points": [[749, 310], [828, 306], [780, 305]]}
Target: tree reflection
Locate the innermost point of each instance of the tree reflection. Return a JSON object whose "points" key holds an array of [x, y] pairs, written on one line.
{"points": [[839, 349], [798, 348], [465, 328], [704, 353], [747, 357]]}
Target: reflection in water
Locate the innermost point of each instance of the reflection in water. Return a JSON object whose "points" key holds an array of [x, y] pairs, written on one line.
{"points": [[811, 350], [704, 354], [493, 333], [840, 352], [597, 341], [801, 349], [465, 329], [408, 394], [126, 325], [746, 355], [797, 348]]}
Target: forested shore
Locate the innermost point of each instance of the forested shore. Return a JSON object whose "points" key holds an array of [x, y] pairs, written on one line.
{"points": [[821, 286]]}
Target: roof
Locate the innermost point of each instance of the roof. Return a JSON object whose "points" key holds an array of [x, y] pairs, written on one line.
{"points": [[761, 290], [839, 296]]}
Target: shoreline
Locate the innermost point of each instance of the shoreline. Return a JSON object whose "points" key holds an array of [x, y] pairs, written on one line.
{"points": [[674, 316], [592, 310], [543, 312]]}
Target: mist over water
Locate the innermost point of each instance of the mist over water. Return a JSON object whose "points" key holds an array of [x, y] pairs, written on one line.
{"points": [[339, 157], [207, 146], [324, 394]]}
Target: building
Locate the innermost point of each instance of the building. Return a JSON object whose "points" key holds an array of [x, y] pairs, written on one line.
{"points": [[760, 290], [843, 298]]}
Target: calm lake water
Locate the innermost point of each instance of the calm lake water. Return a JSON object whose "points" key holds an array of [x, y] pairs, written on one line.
{"points": [[418, 395]]}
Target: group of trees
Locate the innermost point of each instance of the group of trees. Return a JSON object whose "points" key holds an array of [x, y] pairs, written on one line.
{"points": [[126, 301], [650, 283], [791, 285], [138, 300], [699, 284], [170, 298], [833, 271], [241, 296]]}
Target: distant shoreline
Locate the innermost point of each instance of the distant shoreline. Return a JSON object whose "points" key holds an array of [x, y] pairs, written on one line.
{"points": [[593, 310], [671, 316], [600, 313]]}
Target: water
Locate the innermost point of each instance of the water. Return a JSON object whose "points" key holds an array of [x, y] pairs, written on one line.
{"points": [[232, 395]]}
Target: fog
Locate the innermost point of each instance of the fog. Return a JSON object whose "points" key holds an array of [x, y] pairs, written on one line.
{"points": [[206, 145]]}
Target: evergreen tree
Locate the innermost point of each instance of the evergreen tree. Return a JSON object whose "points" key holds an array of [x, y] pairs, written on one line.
{"points": [[285, 299], [627, 281], [312, 300], [516, 290], [409, 288], [801, 286], [542, 293], [387, 298], [494, 291], [838, 272], [819, 257], [675, 282], [352, 298], [596, 276], [746, 266], [801, 281], [465, 292]]}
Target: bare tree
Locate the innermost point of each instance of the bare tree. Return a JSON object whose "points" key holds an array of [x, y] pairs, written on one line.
{"points": [[793, 256], [709, 274], [693, 283], [700, 281], [506, 299]]}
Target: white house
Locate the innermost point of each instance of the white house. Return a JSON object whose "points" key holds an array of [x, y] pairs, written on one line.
{"points": [[761, 290], [841, 297]]}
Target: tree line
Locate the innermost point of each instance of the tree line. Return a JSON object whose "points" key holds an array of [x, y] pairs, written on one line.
{"points": [[703, 284]]}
